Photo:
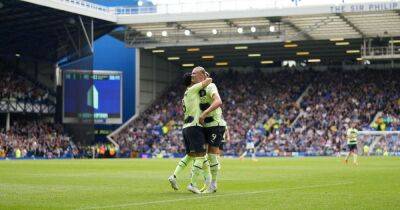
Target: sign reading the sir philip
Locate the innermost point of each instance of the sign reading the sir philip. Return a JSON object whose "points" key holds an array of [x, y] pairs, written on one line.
{"points": [[366, 7]]}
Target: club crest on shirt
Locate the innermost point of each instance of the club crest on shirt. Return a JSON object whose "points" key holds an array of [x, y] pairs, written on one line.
{"points": [[202, 93]]}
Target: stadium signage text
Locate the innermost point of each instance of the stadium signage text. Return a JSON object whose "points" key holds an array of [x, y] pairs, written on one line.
{"points": [[370, 7]]}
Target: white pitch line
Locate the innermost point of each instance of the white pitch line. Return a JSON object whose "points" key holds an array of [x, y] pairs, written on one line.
{"points": [[213, 196]]}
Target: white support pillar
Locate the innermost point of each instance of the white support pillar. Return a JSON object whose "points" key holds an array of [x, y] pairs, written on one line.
{"points": [[89, 40], [153, 66], [8, 121]]}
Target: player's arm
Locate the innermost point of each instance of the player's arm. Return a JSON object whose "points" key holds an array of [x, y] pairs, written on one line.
{"points": [[198, 86], [227, 136], [348, 134], [217, 102], [206, 82]]}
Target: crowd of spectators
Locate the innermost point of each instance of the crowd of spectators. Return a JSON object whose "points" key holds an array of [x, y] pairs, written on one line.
{"points": [[31, 137], [17, 88], [36, 139], [303, 111], [333, 99]]}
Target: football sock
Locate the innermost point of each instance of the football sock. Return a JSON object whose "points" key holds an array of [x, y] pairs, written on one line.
{"points": [[206, 172], [185, 161], [197, 168], [214, 166]]}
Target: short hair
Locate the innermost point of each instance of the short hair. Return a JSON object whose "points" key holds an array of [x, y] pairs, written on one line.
{"points": [[187, 79], [201, 69]]}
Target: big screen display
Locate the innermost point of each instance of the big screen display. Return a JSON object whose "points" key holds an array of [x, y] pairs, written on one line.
{"points": [[92, 97]]}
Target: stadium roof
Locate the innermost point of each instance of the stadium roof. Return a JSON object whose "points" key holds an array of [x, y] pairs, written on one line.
{"points": [[335, 37], [293, 28], [268, 30], [323, 31], [43, 32], [265, 54]]}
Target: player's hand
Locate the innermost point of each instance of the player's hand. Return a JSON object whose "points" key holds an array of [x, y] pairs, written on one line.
{"points": [[201, 118], [228, 137]]}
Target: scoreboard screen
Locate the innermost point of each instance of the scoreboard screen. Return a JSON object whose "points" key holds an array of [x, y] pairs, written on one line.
{"points": [[92, 97]]}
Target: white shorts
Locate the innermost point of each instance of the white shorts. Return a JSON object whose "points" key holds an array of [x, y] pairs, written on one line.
{"points": [[250, 145]]}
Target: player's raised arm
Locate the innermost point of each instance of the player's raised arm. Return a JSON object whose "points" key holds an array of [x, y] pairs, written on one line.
{"points": [[206, 82], [198, 86]]}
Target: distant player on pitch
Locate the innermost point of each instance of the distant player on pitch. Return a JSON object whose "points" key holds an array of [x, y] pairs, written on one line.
{"points": [[250, 141], [351, 136]]}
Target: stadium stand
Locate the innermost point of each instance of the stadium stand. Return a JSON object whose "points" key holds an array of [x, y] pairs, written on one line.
{"points": [[335, 99], [30, 136], [36, 139], [268, 101], [15, 87]]}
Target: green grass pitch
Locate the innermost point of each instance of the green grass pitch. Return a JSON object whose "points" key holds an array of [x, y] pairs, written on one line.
{"points": [[270, 183]]}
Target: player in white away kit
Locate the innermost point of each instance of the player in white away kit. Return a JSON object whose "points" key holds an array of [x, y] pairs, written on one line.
{"points": [[250, 147]]}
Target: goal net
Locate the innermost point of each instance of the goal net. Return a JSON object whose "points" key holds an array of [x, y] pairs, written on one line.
{"points": [[380, 143]]}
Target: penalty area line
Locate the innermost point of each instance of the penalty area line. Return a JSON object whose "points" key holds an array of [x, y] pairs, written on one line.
{"points": [[214, 196]]}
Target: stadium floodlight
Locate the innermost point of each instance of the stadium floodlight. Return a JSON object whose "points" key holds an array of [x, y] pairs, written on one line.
{"points": [[207, 56], [17, 55], [290, 45], [267, 62], [187, 32], [359, 59], [158, 51], [336, 39], [240, 30], [164, 33], [315, 60], [394, 41], [149, 34], [253, 29], [221, 63], [196, 49], [173, 58], [342, 43], [352, 51], [240, 47], [188, 64], [140, 3], [214, 31], [303, 53], [254, 55], [271, 28]]}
